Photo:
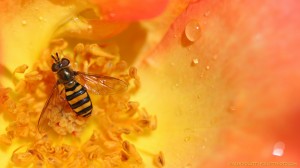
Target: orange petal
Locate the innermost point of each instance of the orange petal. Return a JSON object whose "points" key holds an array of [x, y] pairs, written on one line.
{"points": [[224, 84], [130, 10], [91, 29]]}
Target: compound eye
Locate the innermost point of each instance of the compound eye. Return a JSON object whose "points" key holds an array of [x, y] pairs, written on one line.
{"points": [[55, 67], [65, 62]]}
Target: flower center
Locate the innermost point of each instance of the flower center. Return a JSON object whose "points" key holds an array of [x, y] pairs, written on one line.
{"points": [[69, 139]]}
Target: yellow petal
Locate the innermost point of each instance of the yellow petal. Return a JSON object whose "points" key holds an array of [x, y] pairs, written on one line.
{"points": [[27, 30]]}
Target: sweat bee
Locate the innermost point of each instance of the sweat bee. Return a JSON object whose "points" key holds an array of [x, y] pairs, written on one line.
{"points": [[77, 86]]}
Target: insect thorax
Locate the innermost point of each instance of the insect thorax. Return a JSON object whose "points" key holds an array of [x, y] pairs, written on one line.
{"points": [[66, 76]]}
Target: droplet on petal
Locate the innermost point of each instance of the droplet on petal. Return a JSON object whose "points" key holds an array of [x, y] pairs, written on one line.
{"points": [[215, 57], [192, 30], [278, 149], [206, 13], [187, 165], [24, 22], [76, 19], [195, 61], [187, 139]]}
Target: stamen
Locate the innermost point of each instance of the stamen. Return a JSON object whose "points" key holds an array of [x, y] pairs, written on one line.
{"points": [[112, 115], [159, 160]]}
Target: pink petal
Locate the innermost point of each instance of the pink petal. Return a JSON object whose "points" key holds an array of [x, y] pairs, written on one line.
{"points": [[245, 82]]}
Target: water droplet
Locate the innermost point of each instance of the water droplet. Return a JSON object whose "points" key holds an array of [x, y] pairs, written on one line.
{"points": [[195, 61], [215, 57], [112, 15], [206, 13], [76, 19], [202, 75], [207, 67], [278, 149], [187, 139], [232, 108], [150, 62], [192, 30], [24, 22], [71, 7], [174, 87], [187, 166], [41, 18]]}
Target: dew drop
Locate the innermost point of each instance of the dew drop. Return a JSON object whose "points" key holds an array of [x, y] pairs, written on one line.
{"points": [[195, 61], [215, 57], [202, 75], [187, 166], [206, 13], [75, 19], [41, 18], [150, 62], [24, 22], [111, 15], [232, 108], [192, 30], [187, 139], [278, 149], [207, 67]]}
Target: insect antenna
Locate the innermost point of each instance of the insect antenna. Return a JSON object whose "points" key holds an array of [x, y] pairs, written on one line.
{"points": [[57, 56], [56, 59]]}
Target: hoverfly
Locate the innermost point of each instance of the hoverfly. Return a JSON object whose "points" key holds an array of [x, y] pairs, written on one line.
{"points": [[77, 86]]}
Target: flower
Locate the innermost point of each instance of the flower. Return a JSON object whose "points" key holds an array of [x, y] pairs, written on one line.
{"points": [[214, 81]]}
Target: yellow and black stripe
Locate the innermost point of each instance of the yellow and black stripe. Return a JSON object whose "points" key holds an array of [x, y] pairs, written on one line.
{"points": [[79, 100]]}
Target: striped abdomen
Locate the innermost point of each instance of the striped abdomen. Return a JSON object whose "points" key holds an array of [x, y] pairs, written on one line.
{"points": [[79, 100]]}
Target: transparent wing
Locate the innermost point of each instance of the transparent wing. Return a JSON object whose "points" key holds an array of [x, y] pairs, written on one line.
{"points": [[98, 84], [55, 103]]}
